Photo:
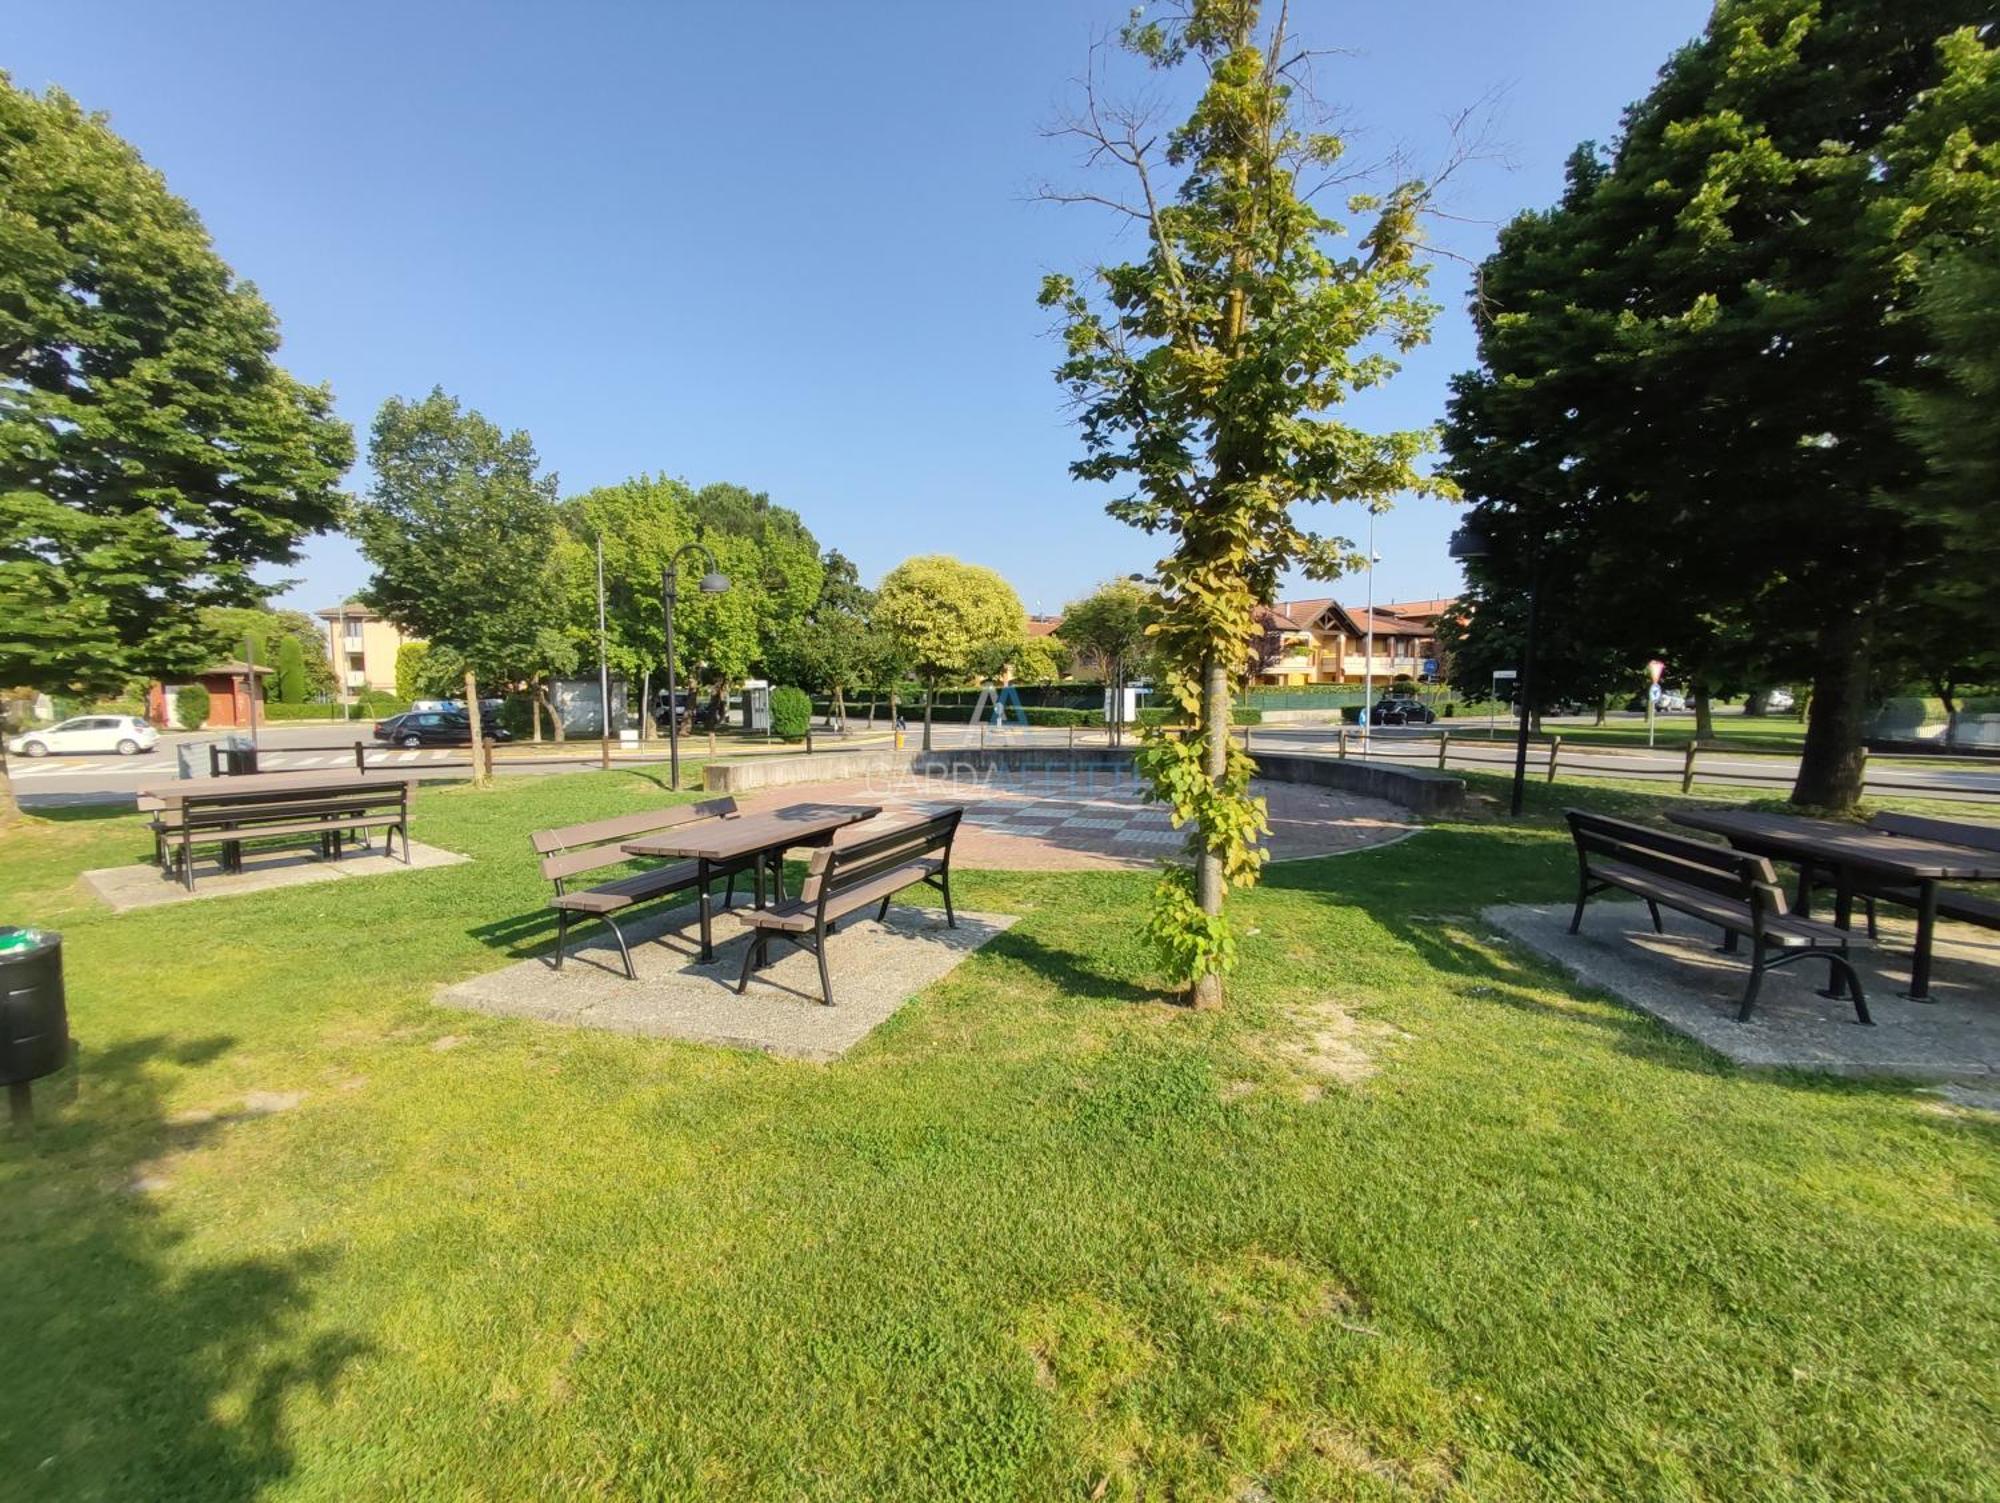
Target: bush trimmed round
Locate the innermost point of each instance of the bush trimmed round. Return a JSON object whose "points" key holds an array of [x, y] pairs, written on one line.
{"points": [[791, 713]]}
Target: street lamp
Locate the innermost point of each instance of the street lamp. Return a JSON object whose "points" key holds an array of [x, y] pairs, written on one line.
{"points": [[1470, 542], [1368, 651], [714, 582]]}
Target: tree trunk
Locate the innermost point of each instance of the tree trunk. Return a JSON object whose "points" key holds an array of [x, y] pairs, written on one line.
{"points": [[646, 706], [928, 687], [479, 778], [1830, 769], [10, 811], [892, 709], [1603, 706], [1704, 713], [556, 733], [871, 709], [839, 708], [534, 714], [1208, 882]]}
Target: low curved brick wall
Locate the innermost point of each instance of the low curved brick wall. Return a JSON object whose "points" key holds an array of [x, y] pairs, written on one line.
{"points": [[1415, 788]]}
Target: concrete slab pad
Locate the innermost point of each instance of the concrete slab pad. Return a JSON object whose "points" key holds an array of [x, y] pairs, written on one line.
{"points": [[142, 886], [1682, 979], [876, 968]]}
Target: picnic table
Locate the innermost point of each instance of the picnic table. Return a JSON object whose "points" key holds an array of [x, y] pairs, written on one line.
{"points": [[1852, 852], [730, 841], [226, 811]]}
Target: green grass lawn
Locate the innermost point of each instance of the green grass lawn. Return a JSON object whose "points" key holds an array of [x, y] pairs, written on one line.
{"points": [[1413, 1217]]}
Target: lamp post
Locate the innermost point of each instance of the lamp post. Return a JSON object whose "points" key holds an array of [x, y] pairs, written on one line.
{"points": [[1470, 542], [714, 582], [1368, 658], [603, 671]]}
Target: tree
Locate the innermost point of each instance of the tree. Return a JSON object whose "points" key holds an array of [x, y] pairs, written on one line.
{"points": [[291, 680], [1684, 364], [830, 650], [940, 613], [1041, 660], [460, 528], [1112, 624], [152, 452], [641, 521], [224, 628], [1203, 373]]}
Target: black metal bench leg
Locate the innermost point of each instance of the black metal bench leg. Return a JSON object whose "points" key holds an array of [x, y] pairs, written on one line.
{"points": [[749, 960], [562, 934], [1654, 909], [882, 913], [1869, 904], [729, 892], [1840, 964], [950, 917], [624, 954], [1582, 897], [825, 980], [1750, 991]]}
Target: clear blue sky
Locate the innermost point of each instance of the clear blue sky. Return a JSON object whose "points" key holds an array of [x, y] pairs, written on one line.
{"points": [[787, 244]]}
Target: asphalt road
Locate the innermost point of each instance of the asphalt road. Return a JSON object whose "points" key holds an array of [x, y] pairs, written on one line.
{"points": [[54, 781]]}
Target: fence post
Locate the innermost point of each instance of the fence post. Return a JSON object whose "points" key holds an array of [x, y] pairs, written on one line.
{"points": [[711, 743], [1072, 736], [1687, 767], [809, 737], [1444, 747], [360, 757], [1343, 742], [1555, 750]]}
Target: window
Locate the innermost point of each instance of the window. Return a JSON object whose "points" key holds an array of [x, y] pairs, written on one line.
{"points": [[351, 631]]}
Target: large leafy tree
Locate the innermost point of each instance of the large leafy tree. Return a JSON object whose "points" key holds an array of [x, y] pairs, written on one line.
{"points": [[460, 528], [1205, 374], [152, 452], [1684, 363], [942, 614]]}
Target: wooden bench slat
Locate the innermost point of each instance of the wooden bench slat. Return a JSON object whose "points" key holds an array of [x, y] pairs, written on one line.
{"points": [[799, 915]]}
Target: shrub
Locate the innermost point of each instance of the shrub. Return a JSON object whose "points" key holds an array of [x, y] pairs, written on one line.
{"points": [[517, 716], [291, 676], [191, 707], [791, 713]]}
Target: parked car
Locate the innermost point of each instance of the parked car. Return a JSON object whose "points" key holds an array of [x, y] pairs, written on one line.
{"points": [[1779, 700], [433, 728], [1401, 709], [127, 735], [706, 716]]}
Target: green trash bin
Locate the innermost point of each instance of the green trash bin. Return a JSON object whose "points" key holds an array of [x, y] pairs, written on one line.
{"points": [[34, 1019]]}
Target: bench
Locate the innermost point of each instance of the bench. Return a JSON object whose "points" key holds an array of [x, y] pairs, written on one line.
{"points": [[1733, 890], [848, 878], [1952, 902], [574, 850], [227, 819]]}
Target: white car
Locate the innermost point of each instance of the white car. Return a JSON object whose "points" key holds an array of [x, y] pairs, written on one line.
{"points": [[127, 735]]}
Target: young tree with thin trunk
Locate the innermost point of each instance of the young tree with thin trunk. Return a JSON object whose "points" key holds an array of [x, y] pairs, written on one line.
{"points": [[941, 613], [1204, 374], [460, 526]]}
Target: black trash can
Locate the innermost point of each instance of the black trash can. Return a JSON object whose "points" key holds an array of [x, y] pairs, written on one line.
{"points": [[34, 1020]]}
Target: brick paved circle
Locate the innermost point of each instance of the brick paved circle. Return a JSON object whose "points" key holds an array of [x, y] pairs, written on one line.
{"points": [[1081, 820]]}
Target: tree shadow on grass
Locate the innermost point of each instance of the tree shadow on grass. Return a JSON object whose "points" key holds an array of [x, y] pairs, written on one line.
{"points": [[1067, 970], [131, 1372], [74, 808]]}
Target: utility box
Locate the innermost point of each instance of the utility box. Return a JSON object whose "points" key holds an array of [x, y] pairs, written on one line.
{"points": [[757, 707]]}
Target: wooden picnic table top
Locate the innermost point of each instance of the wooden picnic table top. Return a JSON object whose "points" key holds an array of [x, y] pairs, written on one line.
{"points": [[734, 835], [251, 783], [1827, 842]]}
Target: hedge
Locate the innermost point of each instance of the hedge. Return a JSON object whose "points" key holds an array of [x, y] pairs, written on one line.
{"points": [[272, 711], [791, 713], [1238, 715]]}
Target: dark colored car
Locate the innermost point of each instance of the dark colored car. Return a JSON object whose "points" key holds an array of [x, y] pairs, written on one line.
{"points": [[433, 728], [1401, 710], [706, 716]]}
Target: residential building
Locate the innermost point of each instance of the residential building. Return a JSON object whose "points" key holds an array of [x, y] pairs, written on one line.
{"points": [[1321, 641], [362, 647]]}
